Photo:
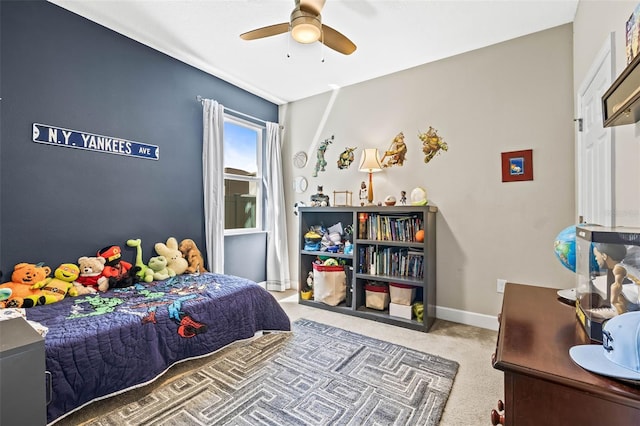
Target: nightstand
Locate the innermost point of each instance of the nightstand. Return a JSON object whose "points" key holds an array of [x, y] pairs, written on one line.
{"points": [[542, 385], [22, 374]]}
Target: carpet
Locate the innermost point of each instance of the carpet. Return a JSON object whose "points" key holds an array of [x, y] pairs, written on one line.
{"points": [[316, 375]]}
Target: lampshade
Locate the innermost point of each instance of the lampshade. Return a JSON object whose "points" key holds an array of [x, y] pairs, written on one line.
{"points": [[305, 29], [369, 161]]}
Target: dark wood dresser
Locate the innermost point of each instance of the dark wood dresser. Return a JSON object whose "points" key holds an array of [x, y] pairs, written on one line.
{"points": [[542, 385]]}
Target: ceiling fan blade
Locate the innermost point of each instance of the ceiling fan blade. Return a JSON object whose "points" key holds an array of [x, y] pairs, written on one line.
{"points": [[269, 31], [337, 41], [312, 6]]}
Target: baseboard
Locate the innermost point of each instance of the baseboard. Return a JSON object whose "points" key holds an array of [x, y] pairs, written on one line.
{"points": [[277, 285], [468, 318]]}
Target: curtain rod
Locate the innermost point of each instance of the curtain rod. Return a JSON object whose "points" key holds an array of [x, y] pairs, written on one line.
{"points": [[251, 117]]}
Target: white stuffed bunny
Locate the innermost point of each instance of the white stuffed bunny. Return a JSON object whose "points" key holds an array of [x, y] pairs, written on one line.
{"points": [[175, 261]]}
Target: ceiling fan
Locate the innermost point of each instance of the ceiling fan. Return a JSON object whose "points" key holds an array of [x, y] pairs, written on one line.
{"points": [[306, 26]]}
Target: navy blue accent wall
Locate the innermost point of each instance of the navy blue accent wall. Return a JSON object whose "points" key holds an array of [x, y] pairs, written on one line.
{"points": [[57, 204]]}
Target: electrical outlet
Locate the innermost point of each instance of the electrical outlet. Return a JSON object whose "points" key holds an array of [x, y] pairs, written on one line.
{"points": [[500, 285]]}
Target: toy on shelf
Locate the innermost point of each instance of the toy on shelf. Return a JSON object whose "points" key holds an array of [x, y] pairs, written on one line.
{"points": [[297, 205], [307, 290], [609, 257], [403, 197], [363, 194], [312, 240], [319, 199], [419, 196]]}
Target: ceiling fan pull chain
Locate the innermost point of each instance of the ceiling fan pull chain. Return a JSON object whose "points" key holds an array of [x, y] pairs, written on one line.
{"points": [[322, 46], [289, 43]]}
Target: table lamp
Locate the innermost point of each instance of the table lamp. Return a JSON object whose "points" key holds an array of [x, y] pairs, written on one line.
{"points": [[369, 163]]}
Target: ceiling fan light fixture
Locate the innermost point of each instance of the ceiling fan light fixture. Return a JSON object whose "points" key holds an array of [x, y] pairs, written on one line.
{"points": [[306, 28], [305, 25]]}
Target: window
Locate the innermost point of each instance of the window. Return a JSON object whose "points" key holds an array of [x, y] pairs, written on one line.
{"points": [[242, 175]]}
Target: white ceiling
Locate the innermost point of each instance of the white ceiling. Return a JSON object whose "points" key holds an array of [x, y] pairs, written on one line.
{"points": [[391, 36]]}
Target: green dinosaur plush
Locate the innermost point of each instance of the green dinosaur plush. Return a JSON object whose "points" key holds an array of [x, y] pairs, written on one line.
{"points": [[158, 269], [137, 243]]}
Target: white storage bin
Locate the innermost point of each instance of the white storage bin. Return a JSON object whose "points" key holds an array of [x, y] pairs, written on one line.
{"points": [[329, 284], [401, 311]]}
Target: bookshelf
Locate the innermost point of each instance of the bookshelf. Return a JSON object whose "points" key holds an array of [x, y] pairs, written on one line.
{"points": [[385, 251]]}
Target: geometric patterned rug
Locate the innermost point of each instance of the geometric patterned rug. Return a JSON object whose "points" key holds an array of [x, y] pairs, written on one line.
{"points": [[316, 375]]}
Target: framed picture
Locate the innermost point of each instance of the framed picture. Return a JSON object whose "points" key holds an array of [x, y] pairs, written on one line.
{"points": [[342, 198], [632, 35], [517, 165]]}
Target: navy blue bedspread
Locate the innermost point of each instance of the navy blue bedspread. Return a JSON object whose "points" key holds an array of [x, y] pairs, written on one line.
{"points": [[101, 344]]}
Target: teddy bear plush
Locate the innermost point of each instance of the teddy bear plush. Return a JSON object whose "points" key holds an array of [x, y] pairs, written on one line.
{"points": [[158, 269], [193, 256], [91, 275], [24, 276], [55, 288], [121, 274], [175, 261]]}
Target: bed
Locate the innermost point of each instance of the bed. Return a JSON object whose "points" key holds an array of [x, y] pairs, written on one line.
{"points": [[99, 345]]}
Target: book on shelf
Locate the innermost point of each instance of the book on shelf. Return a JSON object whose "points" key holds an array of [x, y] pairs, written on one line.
{"points": [[391, 261], [383, 227]]}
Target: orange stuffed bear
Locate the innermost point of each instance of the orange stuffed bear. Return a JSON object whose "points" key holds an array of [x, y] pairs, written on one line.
{"points": [[24, 276]]}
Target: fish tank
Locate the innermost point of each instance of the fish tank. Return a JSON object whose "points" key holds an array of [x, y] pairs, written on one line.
{"points": [[608, 275]]}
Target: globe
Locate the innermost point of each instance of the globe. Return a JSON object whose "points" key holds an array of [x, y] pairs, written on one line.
{"points": [[565, 247], [419, 196]]}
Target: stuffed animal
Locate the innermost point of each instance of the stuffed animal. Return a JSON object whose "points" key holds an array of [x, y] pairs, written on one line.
{"points": [[175, 261], [158, 269], [5, 293], [137, 243], [194, 258], [55, 288], [91, 273], [114, 266], [82, 290], [24, 276], [120, 273]]}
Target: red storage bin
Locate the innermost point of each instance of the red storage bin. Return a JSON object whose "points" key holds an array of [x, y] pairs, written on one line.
{"points": [[376, 297]]}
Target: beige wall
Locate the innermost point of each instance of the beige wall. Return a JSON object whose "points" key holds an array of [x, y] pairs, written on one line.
{"points": [[594, 22], [511, 96]]}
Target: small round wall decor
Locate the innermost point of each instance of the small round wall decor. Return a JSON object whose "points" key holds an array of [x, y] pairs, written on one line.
{"points": [[300, 184], [300, 159]]}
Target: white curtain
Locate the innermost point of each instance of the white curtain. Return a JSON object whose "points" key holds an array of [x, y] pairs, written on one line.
{"points": [[213, 179], [276, 227]]}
